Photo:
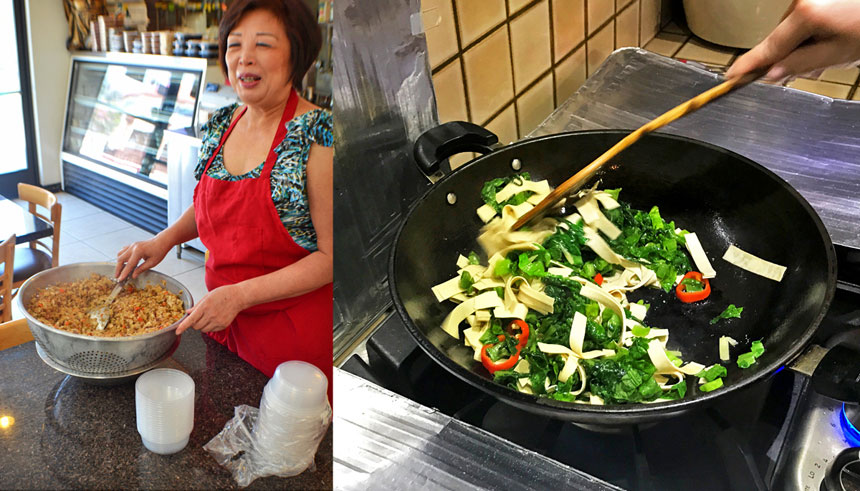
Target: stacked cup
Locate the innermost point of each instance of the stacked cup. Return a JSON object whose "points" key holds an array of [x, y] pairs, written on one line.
{"points": [[294, 416], [164, 403]]}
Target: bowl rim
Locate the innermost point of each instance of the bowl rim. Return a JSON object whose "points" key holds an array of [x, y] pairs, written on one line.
{"points": [[32, 321]]}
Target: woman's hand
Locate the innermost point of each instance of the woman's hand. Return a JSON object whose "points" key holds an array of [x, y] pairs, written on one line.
{"points": [[215, 311], [151, 251], [815, 34]]}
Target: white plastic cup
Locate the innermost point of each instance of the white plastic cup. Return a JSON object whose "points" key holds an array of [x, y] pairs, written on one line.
{"points": [[290, 411], [298, 387], [164, 404]]}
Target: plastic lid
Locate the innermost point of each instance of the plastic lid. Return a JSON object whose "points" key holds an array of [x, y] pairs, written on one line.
{"points": [[299, 386]]}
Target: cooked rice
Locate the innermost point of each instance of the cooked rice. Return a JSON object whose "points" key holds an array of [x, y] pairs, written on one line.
{"points": [[135, 311]]}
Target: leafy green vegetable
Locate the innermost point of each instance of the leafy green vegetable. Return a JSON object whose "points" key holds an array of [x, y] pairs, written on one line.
{"points": [[713, 385], [530, 265], [673, 357], [713, 372], [648, 239], [500, 292], [730, 312], [678, 391], [757, 348], [613, 192], [626, 377], [746, 360], [466, 281], [565, 243], [693, 285], [656, 220], [492, 334], [473, 258], [640, 331], [493, 186], [503, 267]]}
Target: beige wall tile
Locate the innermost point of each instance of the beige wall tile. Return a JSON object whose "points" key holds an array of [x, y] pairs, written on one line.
{"points": [[600, 46], [535, 105], [697, 50], [649, 20], [461, 158], [505, 125], [599, 11], [829, 89], [666, 44], [570, 75], [515, 5], [620, 4], [530, 43], [438, 18], [841, 75], [856, 96], [489, 77], [568, 25], [627, 26], [477, 18], [450, 93]]}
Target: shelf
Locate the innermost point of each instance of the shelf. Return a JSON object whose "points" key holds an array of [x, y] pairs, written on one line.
{"points": [[93, 102]]}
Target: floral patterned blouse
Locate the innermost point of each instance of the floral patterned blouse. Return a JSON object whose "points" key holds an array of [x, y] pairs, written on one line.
{"points": [[289, 175]]}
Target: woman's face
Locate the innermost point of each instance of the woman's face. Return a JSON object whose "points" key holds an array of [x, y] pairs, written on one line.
{"points": [[258, 59]]}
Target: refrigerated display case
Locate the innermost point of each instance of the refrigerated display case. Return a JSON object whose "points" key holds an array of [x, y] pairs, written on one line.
{"points": [[119, 107]]}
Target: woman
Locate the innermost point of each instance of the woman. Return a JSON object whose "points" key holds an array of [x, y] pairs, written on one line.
{"points": [[263, 204]]}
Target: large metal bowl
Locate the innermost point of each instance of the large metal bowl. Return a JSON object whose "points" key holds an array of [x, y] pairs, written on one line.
{"points": [[93, 357]]}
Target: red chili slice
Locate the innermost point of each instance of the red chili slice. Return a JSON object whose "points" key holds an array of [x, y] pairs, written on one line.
{"points": [[690, 297], [598, 278]]}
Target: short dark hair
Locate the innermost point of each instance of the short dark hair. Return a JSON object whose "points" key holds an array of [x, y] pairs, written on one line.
{"points": [[299, 23]]}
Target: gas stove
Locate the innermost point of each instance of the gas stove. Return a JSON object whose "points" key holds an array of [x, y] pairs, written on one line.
{"points": [[778, 434]]}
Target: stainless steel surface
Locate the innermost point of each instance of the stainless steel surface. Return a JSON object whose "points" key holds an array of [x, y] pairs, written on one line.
{"points": [[383, 99], [98, 357], [810, 359], [385, 441], [107, 379], [811, 141], [815, 438]]}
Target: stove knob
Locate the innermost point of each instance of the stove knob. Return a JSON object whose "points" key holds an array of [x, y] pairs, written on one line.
{"points": [[844, 472]]}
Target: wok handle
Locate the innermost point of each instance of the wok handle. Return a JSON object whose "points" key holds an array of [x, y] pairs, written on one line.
{"points": [[435, 145], [838, 374]]}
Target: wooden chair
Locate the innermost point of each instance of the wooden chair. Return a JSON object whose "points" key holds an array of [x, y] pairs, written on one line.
{"points": [[7, 266], [31, 260], [14, 333]]}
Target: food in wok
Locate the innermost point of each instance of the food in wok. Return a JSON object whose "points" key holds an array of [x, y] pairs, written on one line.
{"points": [[548, 312], [135, 310]]}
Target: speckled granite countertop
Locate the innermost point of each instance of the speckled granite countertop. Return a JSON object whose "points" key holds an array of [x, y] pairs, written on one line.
{"points": [[71, 434]]}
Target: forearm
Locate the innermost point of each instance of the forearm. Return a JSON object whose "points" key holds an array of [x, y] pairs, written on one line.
{"points": [[303, 276], [182, 230]]}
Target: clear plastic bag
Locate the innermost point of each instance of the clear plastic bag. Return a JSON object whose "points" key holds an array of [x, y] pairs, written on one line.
{"points": [[249, 449]]}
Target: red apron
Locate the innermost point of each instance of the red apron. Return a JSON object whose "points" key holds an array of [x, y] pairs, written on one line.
{"points": [[238, 223]]}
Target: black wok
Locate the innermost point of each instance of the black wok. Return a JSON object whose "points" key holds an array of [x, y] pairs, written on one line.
{"points": [[722, 196]]}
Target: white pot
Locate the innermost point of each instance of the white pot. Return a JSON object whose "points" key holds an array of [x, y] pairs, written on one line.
{"points": [[736, 23]]}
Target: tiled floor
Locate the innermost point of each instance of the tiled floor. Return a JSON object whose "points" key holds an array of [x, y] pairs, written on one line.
{"points": [[89, 234], [678, 42]]}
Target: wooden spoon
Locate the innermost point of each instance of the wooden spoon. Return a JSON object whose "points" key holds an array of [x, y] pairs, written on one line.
{"points": [[574, 183]]}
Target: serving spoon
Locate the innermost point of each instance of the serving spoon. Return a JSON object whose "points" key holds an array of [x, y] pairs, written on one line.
{"points": [[580, 178], [101, 314]]}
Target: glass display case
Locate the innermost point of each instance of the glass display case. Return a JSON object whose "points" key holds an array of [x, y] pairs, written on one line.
{"points": [[119, 107]]}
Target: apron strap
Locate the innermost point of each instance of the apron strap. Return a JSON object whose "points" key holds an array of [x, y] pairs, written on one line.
{"points": [[289, 113]]}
